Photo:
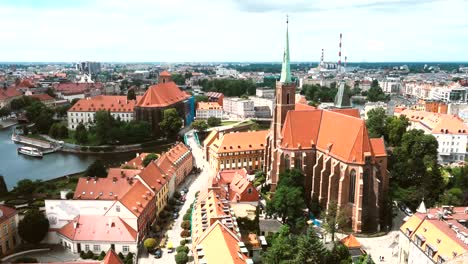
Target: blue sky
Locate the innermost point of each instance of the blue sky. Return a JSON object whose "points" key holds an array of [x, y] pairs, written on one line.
{"points": [[232, 30]]}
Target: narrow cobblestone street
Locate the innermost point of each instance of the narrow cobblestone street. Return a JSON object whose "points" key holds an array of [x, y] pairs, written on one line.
{"points": [[194, 183]]}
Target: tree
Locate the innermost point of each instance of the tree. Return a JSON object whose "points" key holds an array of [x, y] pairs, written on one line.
{"points": [[200, 125], [309, 249], [131, 94], [25, 187], [69, 195], [179, 79], [453, 196], [150, 243], [181, 258], [281, 249], [214, 121], [4, 112], [376, 93], [150, 157], [96, 169], [182, 249], [81, 134], [288, 201], [185, 225], [104, 126], [201, 98], [185, 233], [43, 122], [415, 169], [51, 92], [33, 227], [171, 123], [376, 122], [395, 128], [335, 218]]}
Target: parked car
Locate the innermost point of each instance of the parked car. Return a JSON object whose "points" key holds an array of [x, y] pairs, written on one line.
{"points": [[175, 216], [185, 189], [158, 253], [183, 198]]}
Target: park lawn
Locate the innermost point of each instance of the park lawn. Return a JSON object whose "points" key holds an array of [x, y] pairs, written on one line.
{"points": [[228, 122]]}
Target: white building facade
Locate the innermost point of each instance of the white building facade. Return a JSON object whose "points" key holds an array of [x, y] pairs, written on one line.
{"points": [[242, 108]]}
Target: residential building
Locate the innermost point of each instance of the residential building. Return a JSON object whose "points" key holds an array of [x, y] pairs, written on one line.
{"points": [[9, 238], [84, 111], [238, 107], [260, 102], [46, 99], [89, 67], [74, 90], [435, 235], [7, 95], [334, 152], [182, 159], [98, 233], [215, 97], [265, 92], [162, 96], [220, 71], [391, 85], [235, 150], [206, 110], [449, 130]]}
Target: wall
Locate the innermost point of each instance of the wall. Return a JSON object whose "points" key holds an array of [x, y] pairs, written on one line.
{"points": [[104, 245]]}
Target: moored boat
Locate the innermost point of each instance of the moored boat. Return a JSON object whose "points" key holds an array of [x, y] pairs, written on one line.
{"points": [[30, 151]]}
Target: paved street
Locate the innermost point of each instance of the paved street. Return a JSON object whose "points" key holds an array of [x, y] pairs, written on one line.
{"points": [[194, 183]]}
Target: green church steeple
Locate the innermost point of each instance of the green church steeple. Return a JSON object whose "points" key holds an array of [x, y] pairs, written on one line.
{"points": [[286, 67]]}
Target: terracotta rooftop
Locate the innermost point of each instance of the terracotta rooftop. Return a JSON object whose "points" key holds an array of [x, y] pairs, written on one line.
{"points": [[214, 94], [113, 103], [347, 111], [165, 74], [378, 146], [9, 93], [442, 229], [6, 212], [137, 198], [77, 87], [98, 228], [235, 186], [350, 241], [42, 97], [112, 258], [136, 162], [153, 177], [113, 187], [209, 106], [178, 153], [161, 95], [437, 123], [240, 141], [337, 134]]}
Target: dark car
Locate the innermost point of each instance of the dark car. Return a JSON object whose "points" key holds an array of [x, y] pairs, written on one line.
{"points": [[185, 190], [175, 215], [158, 253]]}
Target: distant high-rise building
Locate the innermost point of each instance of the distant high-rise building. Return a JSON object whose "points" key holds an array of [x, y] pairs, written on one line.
{"points": [[89, 67]]}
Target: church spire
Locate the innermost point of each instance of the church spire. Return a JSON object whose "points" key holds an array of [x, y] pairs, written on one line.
{"points": [[286, 67]]}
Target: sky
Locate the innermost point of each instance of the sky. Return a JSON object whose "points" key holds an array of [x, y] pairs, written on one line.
{"points": [[232, 30]]}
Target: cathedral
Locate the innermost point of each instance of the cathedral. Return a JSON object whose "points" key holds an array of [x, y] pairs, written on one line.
{"points": [[333, 150]]}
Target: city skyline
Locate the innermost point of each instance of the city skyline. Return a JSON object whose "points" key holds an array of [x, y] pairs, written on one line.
{"points": [[232, 31]]}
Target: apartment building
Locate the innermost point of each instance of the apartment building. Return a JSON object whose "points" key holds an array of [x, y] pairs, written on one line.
{"points": [[238, 107], [235, 150], [206, 110], [9, 238], [449, 130]]}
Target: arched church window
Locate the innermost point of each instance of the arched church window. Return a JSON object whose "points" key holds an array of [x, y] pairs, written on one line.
{"points": [[352, 185], [287, 162], [297, 163], [287, 98]]}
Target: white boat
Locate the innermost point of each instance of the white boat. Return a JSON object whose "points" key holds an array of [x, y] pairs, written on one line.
{"points": [[29, 151]]}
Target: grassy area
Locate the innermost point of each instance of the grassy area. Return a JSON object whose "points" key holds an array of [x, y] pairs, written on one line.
{"points": [[247, 122], [228, 123]]}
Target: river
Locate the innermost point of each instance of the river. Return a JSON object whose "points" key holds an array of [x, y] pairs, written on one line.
{"points": [[15, 167]]}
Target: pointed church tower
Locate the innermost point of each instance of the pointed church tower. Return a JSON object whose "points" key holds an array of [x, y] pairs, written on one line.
{"points": [[285, 101], [285, 92]]}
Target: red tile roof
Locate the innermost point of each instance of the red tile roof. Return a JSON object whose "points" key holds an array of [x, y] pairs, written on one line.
{"points": [[77, 87], [113, 103], [235, 186], [137, 198], [136, 162], [165, 74], [6, 212], [114, 186], [98, 228], [241, 141], [214, 94], [162, 94], [112, 258], [42, 97], [153, 177], [338, 134], [9, 93], [347, 111], [304, 107], [350, 241], [177, 152], [378, 146], [437, 123]]}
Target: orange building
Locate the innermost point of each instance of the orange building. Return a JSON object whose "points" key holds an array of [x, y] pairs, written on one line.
{"points": [[235, 150], [8, 229]]}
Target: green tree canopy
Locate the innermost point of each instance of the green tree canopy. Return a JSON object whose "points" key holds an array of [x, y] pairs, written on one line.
{"points": [[376, 93], [201, 98], [131, 94], [335, 218], [150, 243], [415, 169], [150, 157], [33, 227], [214, 121], [181, 258], [229, 87], [200, 125], [96, 169], [171, 123]]}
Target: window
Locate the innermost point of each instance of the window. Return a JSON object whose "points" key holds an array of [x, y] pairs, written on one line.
{"points": [[5, 229], [352, 186], [440, 260], [125, 249], [96, 248], [287, 162], [117, 208], [86, 248], [249, 190], [7, 245], [287, 98], [298, 163]]}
